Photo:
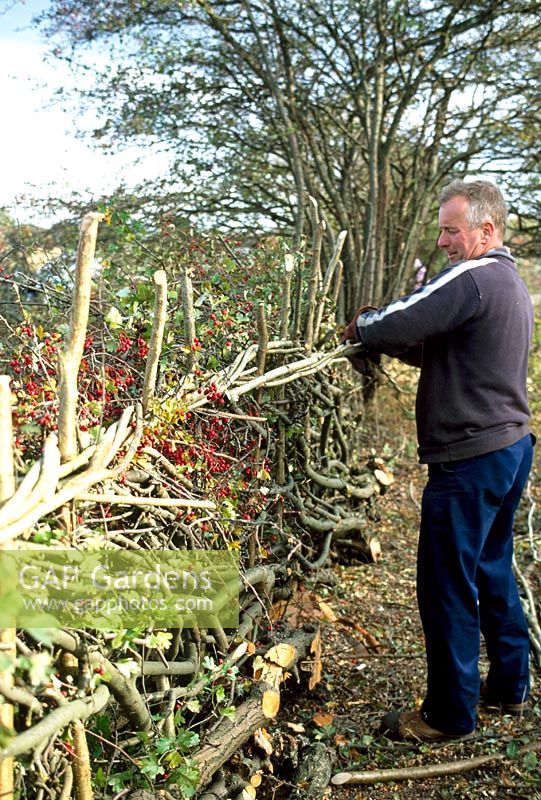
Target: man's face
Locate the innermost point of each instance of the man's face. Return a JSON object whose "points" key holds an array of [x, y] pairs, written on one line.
{"points": [[456, 237]]}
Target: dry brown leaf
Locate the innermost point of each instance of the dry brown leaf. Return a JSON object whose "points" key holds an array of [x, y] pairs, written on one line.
{"points": [[303, 606], [327, 611], [368, 639], [323, 719], [271, 703]]}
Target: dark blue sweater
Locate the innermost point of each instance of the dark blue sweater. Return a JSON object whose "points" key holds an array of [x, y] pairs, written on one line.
{"points": [[469, 330]]}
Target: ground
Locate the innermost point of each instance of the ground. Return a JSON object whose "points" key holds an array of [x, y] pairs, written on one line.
{"points": [[373, 661]]}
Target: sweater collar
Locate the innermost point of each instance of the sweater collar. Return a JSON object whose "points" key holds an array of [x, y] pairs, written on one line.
{"points": [[499, 252]]}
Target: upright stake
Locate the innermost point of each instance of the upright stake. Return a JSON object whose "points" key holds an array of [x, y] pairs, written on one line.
{"points": [[156, 339], [70, 359]]}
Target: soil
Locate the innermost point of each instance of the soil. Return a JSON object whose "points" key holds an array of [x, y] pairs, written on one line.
{"points": [[373, 659]]}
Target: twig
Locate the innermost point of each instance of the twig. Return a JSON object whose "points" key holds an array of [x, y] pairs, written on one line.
{"points": [[132, 500], [429, 771]]}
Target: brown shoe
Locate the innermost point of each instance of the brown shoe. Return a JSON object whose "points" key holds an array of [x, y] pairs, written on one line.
{"points": [[494, 706], [410, 726]]}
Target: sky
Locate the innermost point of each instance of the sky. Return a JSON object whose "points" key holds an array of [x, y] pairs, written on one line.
{"points": [[40, 155]]}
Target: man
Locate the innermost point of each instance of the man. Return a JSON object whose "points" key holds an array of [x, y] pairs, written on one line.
{"points": [[469, 330]]}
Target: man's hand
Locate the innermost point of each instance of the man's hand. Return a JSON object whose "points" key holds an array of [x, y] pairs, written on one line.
{"points": [[364, 363], [349, 333]]}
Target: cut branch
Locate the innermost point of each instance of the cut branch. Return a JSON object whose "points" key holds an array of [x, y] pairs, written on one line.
{"points": [[429, 771], [156, 339], [70, 359]]}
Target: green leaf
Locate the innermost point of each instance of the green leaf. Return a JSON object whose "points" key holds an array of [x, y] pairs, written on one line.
{"points": [[174, 759], [186, 778], [219, 694], [530, 761], [165, 744], [186, 739], [512, 749], [114, 317], [100, 778], [118, 780], [151, 767]]}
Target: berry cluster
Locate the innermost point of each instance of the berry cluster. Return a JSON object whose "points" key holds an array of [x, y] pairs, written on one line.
{"points": [[213, 394]]}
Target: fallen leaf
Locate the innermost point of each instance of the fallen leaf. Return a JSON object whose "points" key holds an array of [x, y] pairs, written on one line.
{"points": [[368, 639], [327, 611], [323, 719], [303, 606]]}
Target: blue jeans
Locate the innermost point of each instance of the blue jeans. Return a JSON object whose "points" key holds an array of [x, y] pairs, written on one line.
{"points": [[465, 584]]}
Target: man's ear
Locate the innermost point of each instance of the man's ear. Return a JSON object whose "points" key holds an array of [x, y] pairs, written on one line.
{"points": [[488, 228]]}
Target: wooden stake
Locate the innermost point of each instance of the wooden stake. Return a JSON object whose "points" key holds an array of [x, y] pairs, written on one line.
{"points": [[156, 339], [70, 359]]}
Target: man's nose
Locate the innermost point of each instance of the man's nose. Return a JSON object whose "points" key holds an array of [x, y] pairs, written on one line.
{"points": [[443, 239]]}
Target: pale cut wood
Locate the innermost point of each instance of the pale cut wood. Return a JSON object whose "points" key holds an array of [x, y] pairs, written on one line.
{"points": [[156, 339], [70, 358]]}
